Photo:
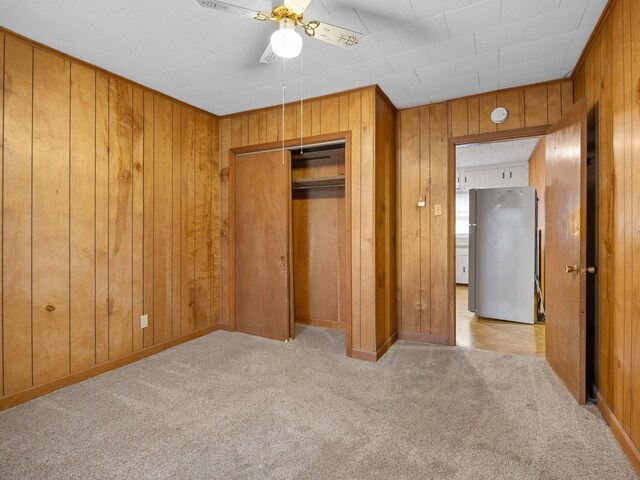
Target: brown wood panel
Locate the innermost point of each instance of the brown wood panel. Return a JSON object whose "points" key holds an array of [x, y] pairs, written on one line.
{"points": [[273, 121], [148, 206], [316, 117], [188, 172], [138, 217], [306, 119], [244, 131], [344, 113], [254, 132], [82, 214], [513, 101], [424, 231], [536, 106], [225, 143], [290, 122], [409, 241], [215, 271], [486, 105], [16, 271], [634, 104], [120, 207], [330, 115], [565, 179], [628, 209], [474, 116], [102, 218], [318, 256], [611, 249], [459, 117], [50, 218], [355, 121], [439, 237], [367, 222], [385, 188], [176, 222], [162, 219], [1, 196], [567, 96], [554, 102], [202, 225], [260, 245]]}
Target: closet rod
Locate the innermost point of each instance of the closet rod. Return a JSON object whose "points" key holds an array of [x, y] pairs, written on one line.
{"points": [[309, 187]]}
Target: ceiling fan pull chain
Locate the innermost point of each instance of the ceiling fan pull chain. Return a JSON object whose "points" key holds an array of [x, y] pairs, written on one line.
{"points": [[301, 99], [284, 94]]}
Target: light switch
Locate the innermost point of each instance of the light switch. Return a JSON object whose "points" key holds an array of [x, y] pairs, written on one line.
{"points": [[437, 210], [422, 201]]}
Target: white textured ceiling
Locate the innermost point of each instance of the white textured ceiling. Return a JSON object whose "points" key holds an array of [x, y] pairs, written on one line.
{"points": [[418, 51], [495, 153]]}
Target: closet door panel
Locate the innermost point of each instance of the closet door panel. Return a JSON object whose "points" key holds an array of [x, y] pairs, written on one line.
{"points": [[261, 205]]}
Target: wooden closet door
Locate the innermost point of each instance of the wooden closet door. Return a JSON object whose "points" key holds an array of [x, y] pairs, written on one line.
{"points": [[262, 198]]}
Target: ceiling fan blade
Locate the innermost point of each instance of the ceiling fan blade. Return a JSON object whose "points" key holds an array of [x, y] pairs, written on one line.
{"points": [[227, 7], [331, 34], [297, 6], [269, 55]]}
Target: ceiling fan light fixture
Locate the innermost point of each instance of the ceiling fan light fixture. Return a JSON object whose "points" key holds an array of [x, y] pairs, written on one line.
{"points": [[285, 41]]}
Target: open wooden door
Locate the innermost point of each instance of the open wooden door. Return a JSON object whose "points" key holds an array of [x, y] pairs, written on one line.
{"points": [[566, 248], [260, 295]]}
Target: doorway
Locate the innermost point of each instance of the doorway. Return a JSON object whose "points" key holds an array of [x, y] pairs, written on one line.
{"points": [[499, 225]]}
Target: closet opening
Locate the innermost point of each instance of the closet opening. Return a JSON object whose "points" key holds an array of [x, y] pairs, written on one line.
{"points": [[319, 236], [290, 238]]}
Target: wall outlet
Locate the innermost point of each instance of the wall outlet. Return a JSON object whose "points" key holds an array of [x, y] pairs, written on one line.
{"points": [[144, 321], [438, 210]]}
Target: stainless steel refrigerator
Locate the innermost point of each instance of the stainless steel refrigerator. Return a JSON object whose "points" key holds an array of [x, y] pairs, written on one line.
{"points": [[503, 253]]}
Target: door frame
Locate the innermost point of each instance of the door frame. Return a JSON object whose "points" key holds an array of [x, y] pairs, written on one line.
{"points": [[498, 136], [234, 152]]}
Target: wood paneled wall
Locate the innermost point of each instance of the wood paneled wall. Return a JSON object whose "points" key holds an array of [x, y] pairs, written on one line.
{"points": [[110, 210], [425, 241], [353, 112], [537, 180], [609, 78]]}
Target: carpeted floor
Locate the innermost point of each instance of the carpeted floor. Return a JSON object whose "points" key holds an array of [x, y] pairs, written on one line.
{"points": [[232, 406]]}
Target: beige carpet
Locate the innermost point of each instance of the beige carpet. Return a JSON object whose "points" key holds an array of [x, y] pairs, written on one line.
{"points": [[231, 406]]}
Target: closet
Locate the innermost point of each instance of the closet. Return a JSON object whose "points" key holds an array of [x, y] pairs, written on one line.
{"points": [[289, 240], [319, 236]]}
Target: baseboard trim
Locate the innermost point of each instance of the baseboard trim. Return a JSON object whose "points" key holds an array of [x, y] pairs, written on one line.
{"points": [[619, 432], [374, 356], [423, 338], [386, 345], [24, 396]]}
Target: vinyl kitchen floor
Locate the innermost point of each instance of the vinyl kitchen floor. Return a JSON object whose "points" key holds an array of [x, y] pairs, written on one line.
{"points": [[495, 335]]}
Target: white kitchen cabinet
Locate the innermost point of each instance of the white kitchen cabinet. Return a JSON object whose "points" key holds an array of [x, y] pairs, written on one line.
{"points": [[462, 266], [518, 176], [492, 177]]}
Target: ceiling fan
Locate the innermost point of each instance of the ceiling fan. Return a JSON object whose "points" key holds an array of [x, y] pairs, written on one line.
{"points": [[286, 42]]}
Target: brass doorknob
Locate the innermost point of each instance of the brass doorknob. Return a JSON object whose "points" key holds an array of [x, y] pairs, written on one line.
{"points": [[572, 269], [589, 270]]}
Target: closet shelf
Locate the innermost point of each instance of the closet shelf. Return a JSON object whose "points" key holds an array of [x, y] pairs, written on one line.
{"points": [[321, 182]]}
